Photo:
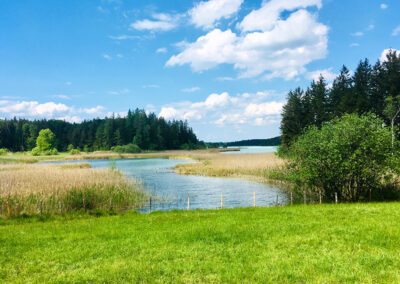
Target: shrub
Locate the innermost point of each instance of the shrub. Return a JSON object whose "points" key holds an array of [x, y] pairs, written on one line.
{"points": [[51, 152], [70, 147], [129, 148], [36, 151], [74, 152], [351, 156], [3, 151]]}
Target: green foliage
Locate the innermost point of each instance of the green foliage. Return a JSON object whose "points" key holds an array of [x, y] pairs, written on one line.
{"points": [[370, 89], [46, 140], [351, 156], [51, 152], [129, 148], [70, 147], [348, 243], [74, 152], [147, 131], [36, 151], [3, 152]]}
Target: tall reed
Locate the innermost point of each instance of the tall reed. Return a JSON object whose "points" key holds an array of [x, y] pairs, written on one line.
{"points": [[64, 188]]}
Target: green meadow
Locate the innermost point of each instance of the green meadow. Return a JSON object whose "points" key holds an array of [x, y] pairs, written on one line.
{"points": [[302, 243]]}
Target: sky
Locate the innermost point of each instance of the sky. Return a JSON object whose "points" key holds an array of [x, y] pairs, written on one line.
{"points": [[225, 66]]}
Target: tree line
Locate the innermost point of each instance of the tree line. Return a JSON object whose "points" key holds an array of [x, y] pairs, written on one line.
{"points": [[147, 131], [371, 89]]}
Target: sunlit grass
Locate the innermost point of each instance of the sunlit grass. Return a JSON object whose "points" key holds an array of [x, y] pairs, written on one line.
{"points": [[348, 243]]}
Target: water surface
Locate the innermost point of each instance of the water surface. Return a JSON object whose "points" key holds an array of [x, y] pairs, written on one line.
{"points": [[253, 149], [171, 191]]}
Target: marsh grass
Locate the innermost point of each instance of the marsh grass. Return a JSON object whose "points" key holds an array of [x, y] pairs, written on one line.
{"points": [[265, 166], [65, 188]]}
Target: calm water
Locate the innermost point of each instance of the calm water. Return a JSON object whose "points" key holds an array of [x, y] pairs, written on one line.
{"points": [[253, 149], [171, 191]]}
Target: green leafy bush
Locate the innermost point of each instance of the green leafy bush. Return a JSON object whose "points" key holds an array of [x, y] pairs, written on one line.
{"points": [[51, 152], [74, 152], [36, 151], [129, 148], [46, 140], [3, 151], [352, 156]]}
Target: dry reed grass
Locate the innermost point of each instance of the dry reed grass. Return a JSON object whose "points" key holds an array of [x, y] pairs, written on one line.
{"points": [[66, 187], [260, 165]]}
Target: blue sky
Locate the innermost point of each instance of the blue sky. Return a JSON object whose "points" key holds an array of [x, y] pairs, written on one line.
{"points": [[224, 65]]}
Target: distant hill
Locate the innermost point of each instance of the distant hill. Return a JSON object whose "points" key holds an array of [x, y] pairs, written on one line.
{"points": [[276, 141]]}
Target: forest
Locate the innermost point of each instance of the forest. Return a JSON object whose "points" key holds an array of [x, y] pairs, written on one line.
{"points": [[147, 131], [371, 89]]}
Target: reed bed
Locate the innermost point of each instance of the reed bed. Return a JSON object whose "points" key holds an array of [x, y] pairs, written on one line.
{"points": [[65, 188], [260, 165]]}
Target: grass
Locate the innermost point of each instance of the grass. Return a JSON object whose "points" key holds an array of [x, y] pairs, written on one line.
{"points": [[260, 166], [348, 243], [65, 188]]}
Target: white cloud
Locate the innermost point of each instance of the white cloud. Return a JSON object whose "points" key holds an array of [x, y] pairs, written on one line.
{"points": [[384, 6], [93, 110], [160, 22], [49, 110], [191, 90], [106, 56], [68, 83], [223, 109], [268, 16], [396, 31], [328, 75], [357, 34], [119, 92], [151, 86], [63, 97], [123, 37], [225, 79], [205, 14], [283, 50], [371, 27], [354, 44], [168, 113], [384, 54], [162, 50]]}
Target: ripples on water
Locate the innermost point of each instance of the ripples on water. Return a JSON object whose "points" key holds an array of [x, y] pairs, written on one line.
{"points": [[171, 191]]}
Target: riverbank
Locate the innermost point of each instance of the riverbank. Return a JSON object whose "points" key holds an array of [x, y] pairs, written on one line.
{"points": [[313, 244]]}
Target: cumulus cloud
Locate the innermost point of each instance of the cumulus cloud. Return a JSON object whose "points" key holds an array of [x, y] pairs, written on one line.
{"points": [[106, 56], [49, 110], [384, 54], [159, 22], [207, 13], [268, 16], [396, 31], [384, 6], [326, 73], [223, 109], [280, 48]]}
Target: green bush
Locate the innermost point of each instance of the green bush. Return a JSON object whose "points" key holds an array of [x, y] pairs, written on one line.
{"points": [[46, 140], [70, 147], [74, 152], [352, 156], [36, 151], [129, 148], [3, 151], [51, 152]]}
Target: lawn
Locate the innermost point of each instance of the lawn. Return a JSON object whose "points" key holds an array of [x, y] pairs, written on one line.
{"points": [[302, 243]]}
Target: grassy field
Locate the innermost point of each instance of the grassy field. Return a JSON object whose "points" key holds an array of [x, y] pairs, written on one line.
{"points": [[66, 187], [313, 244]]}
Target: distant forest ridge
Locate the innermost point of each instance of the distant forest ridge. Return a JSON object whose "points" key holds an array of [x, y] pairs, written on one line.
{"points": [[275, 141], [147, 131]]}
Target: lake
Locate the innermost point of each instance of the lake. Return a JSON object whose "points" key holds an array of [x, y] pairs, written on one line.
{"points": [[253, 149], [171, 191]]}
